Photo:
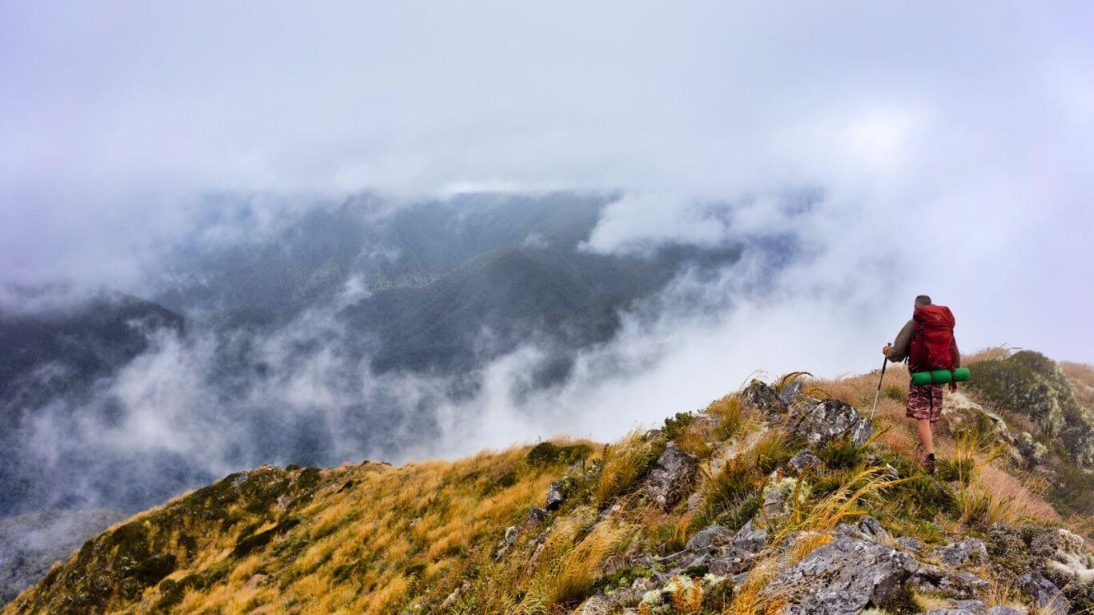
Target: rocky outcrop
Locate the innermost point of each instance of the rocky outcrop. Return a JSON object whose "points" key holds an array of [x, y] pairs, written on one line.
{"points": [[815, 421], [761, 398], [804, 460], [844, 576], [821, 422], [1044, 593], [1045, 562], [968, 551], [555, 496], [1065, 557], [671, 479]]}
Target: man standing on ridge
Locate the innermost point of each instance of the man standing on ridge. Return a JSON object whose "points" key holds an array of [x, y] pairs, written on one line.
{"points": [[927, 342]]}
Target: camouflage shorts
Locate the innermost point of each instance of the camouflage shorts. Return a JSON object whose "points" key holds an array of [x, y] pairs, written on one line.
{"points": [[925, 402]]}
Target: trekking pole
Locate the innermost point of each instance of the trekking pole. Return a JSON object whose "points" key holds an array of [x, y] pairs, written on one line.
{"points": [[884, 362]]}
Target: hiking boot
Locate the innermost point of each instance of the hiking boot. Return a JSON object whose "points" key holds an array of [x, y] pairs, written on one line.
{"points": [[929, 464]]}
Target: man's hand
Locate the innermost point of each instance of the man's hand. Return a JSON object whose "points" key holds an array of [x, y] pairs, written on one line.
{"points": [[885, 350]]}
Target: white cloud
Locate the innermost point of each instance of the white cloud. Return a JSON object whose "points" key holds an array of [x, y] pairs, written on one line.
{"points": [[949, 146]]}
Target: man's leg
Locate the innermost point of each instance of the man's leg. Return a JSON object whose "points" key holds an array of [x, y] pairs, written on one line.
{"points": [[919, 408], [923, 426]]}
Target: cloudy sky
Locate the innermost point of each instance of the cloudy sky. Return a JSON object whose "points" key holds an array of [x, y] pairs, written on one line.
{"points": [[953, 144]]}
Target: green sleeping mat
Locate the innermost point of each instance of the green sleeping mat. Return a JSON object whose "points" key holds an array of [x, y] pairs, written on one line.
{"points": [[941, 376]]}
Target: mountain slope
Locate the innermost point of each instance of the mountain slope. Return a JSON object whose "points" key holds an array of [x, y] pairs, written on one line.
{"points": [[61, 354], [761, 502], [31, 543]]}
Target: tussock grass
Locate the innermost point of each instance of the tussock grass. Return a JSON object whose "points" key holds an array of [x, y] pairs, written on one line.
{"points": [[749, 598], [625, 463], [730, 414], [837, 507]]}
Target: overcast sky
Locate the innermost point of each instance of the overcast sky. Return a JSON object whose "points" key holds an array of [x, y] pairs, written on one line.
{"points": [[953, 142]]}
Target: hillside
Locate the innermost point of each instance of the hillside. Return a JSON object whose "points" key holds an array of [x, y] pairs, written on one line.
{"points": [[780, 497], [58, 354]]}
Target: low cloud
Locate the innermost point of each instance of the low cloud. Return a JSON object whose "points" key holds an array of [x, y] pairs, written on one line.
{"points": [[932, 149]]}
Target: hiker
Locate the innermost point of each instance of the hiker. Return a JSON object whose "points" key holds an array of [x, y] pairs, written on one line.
{"points": [[927, 342]]}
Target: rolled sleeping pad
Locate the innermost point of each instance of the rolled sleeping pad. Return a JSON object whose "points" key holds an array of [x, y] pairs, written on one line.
{"points": [[941, 376]]}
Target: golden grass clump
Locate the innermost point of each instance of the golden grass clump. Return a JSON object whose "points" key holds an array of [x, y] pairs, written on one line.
{"points": [[837, 507], [624, 463], [730, 414], [574, 571]]}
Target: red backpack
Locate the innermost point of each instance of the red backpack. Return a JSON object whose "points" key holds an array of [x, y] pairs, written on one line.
{"points": [[932, 344]]}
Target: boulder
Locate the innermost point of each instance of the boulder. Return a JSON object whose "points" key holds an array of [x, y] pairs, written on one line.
{"points": [[555, 496], [596, 605], [804, 460], [511, 534], [750, 538], [790, 392], [1006, 610], [977, 607], [844, 576], [671, 480], [761, 398], [1064, 556], [962, 552], [741, 553], [1044, 593], [866, 527], [712, 536], [821, 422], [962, 607], [955, 584], [911, 544], [536, 516]]}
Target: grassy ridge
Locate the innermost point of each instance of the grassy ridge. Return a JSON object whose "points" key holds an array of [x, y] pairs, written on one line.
{"points": [[458, 536]]}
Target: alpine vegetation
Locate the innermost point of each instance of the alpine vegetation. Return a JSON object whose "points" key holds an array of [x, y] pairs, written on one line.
{"points": [[778, 498]]}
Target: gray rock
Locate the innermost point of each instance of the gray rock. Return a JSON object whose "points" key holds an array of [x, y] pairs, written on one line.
{"points": [[750, 538], [866, 528], [732, 561], [871, 528], [761, 398], [712, 536], [790, 392], [555, 497], [822, 422], [671, 480], [596, 605], [950, 611], [976, 607], [741, 553], [1044, 593], [1064, 556], [536, 516], [962, 584], [804, 460], [1006, 610], [954, 584], [511, 534], [844, 576], [774, 503], [912, 544], [962, 552]]}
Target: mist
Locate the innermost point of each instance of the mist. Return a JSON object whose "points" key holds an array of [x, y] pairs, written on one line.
{"points": [[944, 150]]}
